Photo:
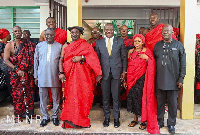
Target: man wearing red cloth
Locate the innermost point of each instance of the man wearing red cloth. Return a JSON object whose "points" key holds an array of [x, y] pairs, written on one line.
{"points": [[19, 56], [128, 41], [95, 36], [154, 34], [60, 37], [80, 66], [60, 34], [97, 91]]}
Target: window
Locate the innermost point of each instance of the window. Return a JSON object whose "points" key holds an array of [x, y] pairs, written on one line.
{"points": [[28, 18]]}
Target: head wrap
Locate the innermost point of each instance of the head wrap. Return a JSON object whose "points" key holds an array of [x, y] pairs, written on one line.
{"points": [[140, 36], [198, 36], [76, 27], [4, 33]]}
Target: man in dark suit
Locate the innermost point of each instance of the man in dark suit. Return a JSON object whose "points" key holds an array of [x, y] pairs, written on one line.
{"points": [[170, 71], [113, 58]]}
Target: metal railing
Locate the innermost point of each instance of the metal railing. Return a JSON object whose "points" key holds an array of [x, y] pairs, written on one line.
{"points": [[168, 15], [59, 12]]}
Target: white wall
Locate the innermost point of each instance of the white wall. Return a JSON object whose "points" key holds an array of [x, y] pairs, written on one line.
{"points": [[44, 14], [138, 3], [17, 3]]}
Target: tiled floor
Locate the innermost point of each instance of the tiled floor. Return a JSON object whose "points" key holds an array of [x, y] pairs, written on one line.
{"points": [[96, 115]]}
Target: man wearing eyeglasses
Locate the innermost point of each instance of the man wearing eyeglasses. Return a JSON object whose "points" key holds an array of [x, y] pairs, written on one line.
{"points": [[95, 36], [46, 58]]}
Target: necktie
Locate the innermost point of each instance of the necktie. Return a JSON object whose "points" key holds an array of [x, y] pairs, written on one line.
{"points": [[109, 47]]}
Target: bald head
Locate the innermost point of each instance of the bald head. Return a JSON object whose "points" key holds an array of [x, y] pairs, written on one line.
{"points": [[167, 32], [95, 33], [123, 31], [153, 19], [17, 32]]}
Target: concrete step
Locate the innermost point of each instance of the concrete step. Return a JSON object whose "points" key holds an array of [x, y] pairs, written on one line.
{"points": [[96, 112]]}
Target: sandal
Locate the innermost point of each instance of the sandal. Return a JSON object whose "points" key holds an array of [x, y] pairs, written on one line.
{"points": [[143, 126], [133, 123], [50, 106], [18, 119]]}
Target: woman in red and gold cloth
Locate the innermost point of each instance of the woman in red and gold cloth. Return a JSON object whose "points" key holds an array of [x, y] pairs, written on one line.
{"points": [[141, 95], [80, 66]]}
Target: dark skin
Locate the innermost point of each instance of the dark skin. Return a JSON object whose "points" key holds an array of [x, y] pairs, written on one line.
{"points": [[141, 30], [10, 51], [95, 35], [153, 20], [109, 32], [123, 31], [75, 35], [167, 33], [49, 35], [26, 34], [138, 46], [51, 23]]}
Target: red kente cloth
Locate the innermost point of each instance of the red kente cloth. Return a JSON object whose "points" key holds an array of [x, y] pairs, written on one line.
{"points": [[154, 36], [136, 68], [79, 83], [128, 42], [60, 36], [24, 60], [94, 44]]}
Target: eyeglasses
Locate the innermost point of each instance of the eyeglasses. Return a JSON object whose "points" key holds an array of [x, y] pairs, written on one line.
{"points": [[95, 32]]}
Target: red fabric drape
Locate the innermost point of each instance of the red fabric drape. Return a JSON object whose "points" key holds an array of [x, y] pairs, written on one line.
{"points": [[154, 36], [79, 83], [136, 68], [94, 44], [24, 60], [60, 36]]}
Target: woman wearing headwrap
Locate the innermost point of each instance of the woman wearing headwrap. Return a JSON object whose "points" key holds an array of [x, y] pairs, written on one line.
{"points": [[141, 97], [4, 36]]}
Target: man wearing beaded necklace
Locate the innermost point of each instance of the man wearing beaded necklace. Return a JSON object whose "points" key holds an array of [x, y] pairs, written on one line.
{"points": [[170, 71], [18, 56]]}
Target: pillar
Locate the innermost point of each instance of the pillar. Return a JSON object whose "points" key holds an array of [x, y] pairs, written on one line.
{"points": [[74, 15], [188, 38]]}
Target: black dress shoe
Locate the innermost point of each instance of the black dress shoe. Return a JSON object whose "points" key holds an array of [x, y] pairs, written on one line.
{"points": [[116, 123], [44, 122], [55, 121], [106, 122], [171, 129], [160, 126]]}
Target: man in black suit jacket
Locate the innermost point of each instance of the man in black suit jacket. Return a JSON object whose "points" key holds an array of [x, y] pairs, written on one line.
{"points": [[113, 58]]}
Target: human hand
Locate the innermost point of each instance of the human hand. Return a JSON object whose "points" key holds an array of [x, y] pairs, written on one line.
{"points": [[36, 81], [180, 85], [144, 56], [76, 59], [30, 71], [20, 73], [125, 85], [62, 77], [123, 76]]}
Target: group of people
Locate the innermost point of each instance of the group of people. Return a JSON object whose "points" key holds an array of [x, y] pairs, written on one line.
{"points": [[151, 69]]}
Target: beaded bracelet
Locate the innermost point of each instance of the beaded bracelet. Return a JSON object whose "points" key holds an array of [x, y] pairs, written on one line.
{"points": [[15, 68]]}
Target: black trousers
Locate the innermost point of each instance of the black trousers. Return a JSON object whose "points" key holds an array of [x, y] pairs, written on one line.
{"points": [[111, 85], [172, 96]]}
